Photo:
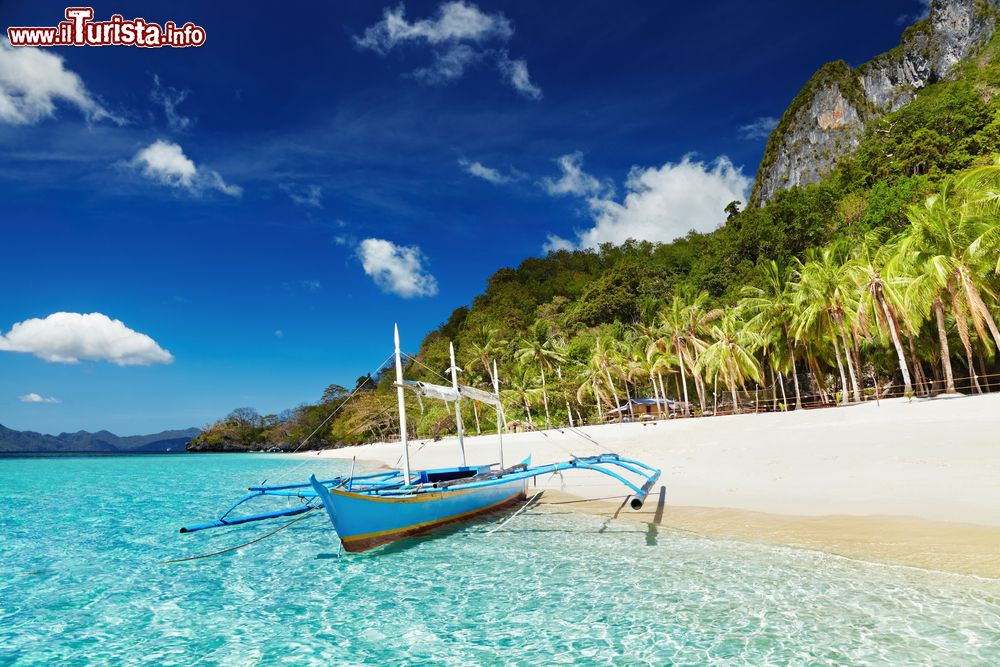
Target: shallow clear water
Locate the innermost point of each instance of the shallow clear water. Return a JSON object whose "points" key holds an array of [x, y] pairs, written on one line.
{"points": [[80, 583]]}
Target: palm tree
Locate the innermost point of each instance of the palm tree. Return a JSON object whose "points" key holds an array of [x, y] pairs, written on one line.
{"points": [[950, 243], [603, 360], [522, 387], [539, 348], [771, 309], [732, 353], [698, 318], [485, 345], [591, 379], [880, 298], [824, 300]]}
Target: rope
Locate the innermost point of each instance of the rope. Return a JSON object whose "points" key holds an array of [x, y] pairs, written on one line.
{"points": [[240, 546], [511, 517], [286, 473]]}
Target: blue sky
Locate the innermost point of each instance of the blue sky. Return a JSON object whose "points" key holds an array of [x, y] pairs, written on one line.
{"points": [[250, 217]]}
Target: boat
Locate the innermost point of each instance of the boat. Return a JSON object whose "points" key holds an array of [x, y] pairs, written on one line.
{"points": [[373, 509]]}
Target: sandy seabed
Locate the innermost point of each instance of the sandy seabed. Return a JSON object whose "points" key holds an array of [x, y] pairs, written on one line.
{"points": [[909, 482]]}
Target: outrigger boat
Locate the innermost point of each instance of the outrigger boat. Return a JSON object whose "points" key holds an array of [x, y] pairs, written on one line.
{"points": [[373, 509]]}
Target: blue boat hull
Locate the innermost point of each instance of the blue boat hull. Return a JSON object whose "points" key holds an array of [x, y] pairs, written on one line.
{"points": [[365, 521]]}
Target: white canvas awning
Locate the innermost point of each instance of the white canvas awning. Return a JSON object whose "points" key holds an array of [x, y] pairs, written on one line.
{"points": [[448, 394]]}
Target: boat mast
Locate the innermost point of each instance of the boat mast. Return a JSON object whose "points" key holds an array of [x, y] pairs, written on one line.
{"points": [[496, 390], [402, 409], [458, 401]]}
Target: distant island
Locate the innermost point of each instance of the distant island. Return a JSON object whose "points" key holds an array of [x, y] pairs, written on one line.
{"points": [[103, 442]]}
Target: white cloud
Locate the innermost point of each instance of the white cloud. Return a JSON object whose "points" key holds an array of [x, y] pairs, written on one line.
{"points": [[396, 269], [760, 128], [458, 36], [170, 98], [516, 72], [448, 65], [574, 180], [165, 162], [68, 338], [554, 243], [455, 22], [278, 333], [32, 80], [479, 170], [304, 195], [663, 203], [37, 398]]}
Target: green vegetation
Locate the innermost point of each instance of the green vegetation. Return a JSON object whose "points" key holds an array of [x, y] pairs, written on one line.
{"points": [[880, 280]]}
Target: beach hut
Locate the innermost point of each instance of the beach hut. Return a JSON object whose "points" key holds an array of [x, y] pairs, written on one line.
{"points": [[645, 409]]}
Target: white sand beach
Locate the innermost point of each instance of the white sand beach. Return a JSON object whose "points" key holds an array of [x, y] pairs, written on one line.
{"points": [[913, 482]]}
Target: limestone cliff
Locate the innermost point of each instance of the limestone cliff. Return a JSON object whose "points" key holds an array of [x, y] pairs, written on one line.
{"points": [[828, 116]]}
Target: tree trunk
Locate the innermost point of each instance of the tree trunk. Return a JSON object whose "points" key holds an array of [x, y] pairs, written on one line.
{"points": [[628, 397], [545, 398], [774, 390], [784, 399], [818, 376], [795, 372], [656, 395], [945, 353], [907, 385], [680, 360], [982, 369], [659, 376], [528, 408], [732, 388], [597, 397], [850, 364], [840, 367], [977, 303], [614, 392], [918, 369]]}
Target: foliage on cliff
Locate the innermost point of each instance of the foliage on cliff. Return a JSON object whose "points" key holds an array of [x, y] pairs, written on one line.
{"points": [[570, 314]]}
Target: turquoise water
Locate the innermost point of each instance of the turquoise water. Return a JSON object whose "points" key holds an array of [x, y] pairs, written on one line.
{"points": [[80, 584]]}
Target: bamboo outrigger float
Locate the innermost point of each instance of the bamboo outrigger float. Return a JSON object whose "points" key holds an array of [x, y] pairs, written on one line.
{"points": [[370, 510]]}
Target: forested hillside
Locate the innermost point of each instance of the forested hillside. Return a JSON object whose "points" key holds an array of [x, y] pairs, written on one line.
{"points": [[881, 279]]}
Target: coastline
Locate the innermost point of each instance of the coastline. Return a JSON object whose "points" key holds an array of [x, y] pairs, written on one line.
{"points": [[902, 482]]}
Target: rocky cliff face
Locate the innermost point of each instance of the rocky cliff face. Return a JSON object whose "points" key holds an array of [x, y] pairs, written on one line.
{"points": [[828, 117]]}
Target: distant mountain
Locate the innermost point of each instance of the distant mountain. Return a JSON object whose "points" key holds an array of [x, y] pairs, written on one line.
{"points": [[12, 441]]}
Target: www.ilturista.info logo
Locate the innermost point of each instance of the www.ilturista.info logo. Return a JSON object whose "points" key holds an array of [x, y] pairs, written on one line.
{"points": [[79, 29]]}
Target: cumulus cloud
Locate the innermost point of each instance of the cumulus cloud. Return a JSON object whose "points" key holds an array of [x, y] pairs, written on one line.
{"points": [[170, 98], [574, 180], [304, 195], [165, 162], [480, 170], [760, 128], [32, 81], [663, 203], [37, 398], [397, 269], [458, 36], [68, 338]]}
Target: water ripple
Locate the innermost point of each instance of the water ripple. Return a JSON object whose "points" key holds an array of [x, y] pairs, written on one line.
{"points": [[80, 584]]}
